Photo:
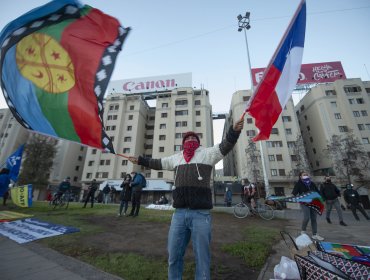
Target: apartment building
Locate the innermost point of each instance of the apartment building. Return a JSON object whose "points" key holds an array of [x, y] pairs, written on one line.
{"points": [[154, 130], [69, 160], [279, 152], [333, 109]]}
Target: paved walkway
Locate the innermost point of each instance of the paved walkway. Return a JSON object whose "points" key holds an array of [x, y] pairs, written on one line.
{"points": [[32, 261], [357, 232]]}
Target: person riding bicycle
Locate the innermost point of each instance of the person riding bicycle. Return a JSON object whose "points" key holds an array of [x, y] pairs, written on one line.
{"points": [[63, 187], [250, 194]]}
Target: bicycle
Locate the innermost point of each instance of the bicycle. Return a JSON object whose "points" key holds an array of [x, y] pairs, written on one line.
{"points": [[61, 200], [242, 210]]}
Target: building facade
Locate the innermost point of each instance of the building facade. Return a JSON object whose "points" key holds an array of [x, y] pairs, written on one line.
{"points": [[154, 130], [334, 109], [280, 153]]}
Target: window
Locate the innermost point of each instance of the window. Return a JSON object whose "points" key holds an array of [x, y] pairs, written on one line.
{"points": [[308, 128], [343, 128], [162, 126], [178, 135], [356, 114], [274, 172], [288, 131], [200, 135], [129, 128], [164, 105], [360, 101], [330, 92], [351, 101], [279, 157], [113, 107], [93, 151], [161, 149], [275, 130], [198, 124], [246, 98], [181, 113], [164, 115], [352, 89], [274, 144], [314, 151], [132, 107], [364, 113], [88, 175], [197, 102], [102, 162], [126, 150], [311, 139], [281, 172], [337, 116], [91, 163], [361, 127], [291, 144], [107, 162], [251, 133], [123, 174], [181, 102], [177, 148], [182, 124], [124, 162], [333, 104], [127, 139], [293, 157], [286, 118], [365, 140], [130, 117], [368, 126], [271, 157], [160, 174], [162, 137], [249, 120], [79, 158], [197, 113], [181, 92]]}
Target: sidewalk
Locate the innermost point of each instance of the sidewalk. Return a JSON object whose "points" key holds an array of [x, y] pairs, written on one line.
{"points": [[33, 262], [357, 232]]}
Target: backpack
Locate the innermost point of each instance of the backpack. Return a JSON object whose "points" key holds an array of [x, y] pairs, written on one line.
{"points": [[143, 181]]}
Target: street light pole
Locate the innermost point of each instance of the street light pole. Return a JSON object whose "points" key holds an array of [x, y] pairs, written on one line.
{"points": [[244, 24]]}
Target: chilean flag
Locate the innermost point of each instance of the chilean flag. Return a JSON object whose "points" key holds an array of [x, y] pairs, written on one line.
{"points": [[280, 77]]}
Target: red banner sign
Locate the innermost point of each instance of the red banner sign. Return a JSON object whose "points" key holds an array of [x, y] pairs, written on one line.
{"points": [[323, 72]]}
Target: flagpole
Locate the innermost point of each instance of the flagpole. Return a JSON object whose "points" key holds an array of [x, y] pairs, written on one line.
{"points": [[244, 25]]}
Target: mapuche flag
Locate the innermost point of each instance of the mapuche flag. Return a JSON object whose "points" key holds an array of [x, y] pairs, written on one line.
{"points": [[56, 62]]}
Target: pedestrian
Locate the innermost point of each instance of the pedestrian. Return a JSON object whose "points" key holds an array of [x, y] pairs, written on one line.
{"points": [[112, 194], [352, 198], [330, 193], [250, 193], [106, 194], [91, 193], [137, 184], [192, 198], [303, 186], [228, 197], [125, 195], [4, 184]]}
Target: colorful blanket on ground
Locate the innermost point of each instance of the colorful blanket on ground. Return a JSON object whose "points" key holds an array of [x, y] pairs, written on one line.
{"points": [[6, 216], [348, 251], [27, 230], [310, 199]]}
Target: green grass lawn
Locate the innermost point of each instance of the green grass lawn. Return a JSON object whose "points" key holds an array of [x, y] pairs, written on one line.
{"points": [[253, 249]]}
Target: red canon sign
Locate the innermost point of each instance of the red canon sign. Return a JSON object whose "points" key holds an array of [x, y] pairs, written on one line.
{"points": [[311, 73]]}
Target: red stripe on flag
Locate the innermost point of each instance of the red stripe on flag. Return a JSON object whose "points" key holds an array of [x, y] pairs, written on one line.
{"points": [[85, 40], [265, 106]]}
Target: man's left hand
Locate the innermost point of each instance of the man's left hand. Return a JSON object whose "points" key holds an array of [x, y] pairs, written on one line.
{"points": [[238, 126]]}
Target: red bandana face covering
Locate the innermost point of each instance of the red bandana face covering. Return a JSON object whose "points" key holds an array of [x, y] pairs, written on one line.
{"points": [[189, 149]]}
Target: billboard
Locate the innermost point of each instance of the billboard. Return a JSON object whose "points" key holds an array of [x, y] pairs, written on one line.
{"points": [[150, 84], [322, 72]]}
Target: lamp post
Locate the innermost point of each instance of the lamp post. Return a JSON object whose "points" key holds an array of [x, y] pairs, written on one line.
{"points": [[244, 24]]}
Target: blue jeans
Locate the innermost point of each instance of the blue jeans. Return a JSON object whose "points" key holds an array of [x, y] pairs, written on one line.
{"points": [[188, 223]]}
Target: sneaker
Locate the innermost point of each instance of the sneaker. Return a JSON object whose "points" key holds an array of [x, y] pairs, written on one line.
{"points": [[343, 223], [124, 214], [328, 220], [119, 215], [317, 237]]}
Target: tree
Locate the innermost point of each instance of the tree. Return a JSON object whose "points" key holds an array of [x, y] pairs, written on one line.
{"points": [[39, 154], [253, 163], [348, 156], [300, 157]]}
